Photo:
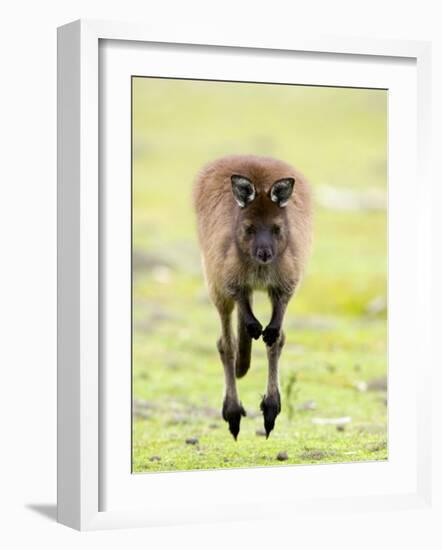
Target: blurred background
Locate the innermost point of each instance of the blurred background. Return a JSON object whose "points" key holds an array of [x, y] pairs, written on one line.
{"points": [[334, 364]]}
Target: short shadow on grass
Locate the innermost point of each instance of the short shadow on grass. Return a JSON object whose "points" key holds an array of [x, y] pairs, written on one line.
{"points": [[49, 511]]}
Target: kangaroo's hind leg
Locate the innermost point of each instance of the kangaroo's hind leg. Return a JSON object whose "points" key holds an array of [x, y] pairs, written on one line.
{"points": [[274, 338], [248, 327], [232, 410], [271, 402]]}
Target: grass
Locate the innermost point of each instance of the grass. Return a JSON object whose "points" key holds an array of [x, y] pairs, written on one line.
{"points": [[336, 335]]}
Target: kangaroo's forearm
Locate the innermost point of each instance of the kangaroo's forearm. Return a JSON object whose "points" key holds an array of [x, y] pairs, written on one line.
{"points": [[246, 310], [242, 298], [279, 302], [253, 326]]}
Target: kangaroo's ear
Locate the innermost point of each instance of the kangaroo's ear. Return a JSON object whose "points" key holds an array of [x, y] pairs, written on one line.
{"points": [[243, 190], [281, 191]]}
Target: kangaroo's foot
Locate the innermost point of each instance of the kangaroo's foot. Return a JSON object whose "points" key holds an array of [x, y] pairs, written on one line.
{"points": [[270, 407], [254, 328], [232, 413]]}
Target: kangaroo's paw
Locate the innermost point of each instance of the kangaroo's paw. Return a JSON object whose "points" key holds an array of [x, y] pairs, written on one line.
{"points": [[232, 413], [254, 328], [271, 407], [270, 335]]}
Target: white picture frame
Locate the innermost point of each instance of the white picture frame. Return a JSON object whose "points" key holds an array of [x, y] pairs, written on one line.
{"points": [[81, 471]]}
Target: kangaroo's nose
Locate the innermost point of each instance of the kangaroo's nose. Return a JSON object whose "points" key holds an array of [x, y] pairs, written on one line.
{"points": [[264, 255]]}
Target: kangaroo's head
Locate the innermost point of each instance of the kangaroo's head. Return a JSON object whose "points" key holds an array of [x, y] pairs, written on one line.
{"points": [[262, 229]]}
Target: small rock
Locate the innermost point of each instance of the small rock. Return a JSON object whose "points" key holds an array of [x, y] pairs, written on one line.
{"points": [[340, 427], [282, 455], [155, 458], [192, 440], [260, 432]]}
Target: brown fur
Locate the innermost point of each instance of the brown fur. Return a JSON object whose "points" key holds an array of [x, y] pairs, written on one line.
{"points": [[217, 214], [229, 270]]}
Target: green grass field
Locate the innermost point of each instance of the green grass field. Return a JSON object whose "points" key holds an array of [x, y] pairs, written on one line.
{"points": [[334, 364]]}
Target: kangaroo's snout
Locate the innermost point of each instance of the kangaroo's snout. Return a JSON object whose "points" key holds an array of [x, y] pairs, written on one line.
{"points": [[264, 254]]}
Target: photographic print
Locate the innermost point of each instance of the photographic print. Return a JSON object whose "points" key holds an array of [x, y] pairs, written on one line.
{"points": [[259, 274]]}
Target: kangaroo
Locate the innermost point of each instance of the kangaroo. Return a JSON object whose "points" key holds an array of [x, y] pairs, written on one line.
{"points": [[254, 228]]}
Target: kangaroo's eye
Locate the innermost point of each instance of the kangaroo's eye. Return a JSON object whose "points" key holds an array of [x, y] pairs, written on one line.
{"points": [[250, 230], [276, 229]]}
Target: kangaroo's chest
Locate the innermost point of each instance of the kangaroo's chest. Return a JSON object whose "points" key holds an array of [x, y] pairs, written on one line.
{"points": [[260, 277]]}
